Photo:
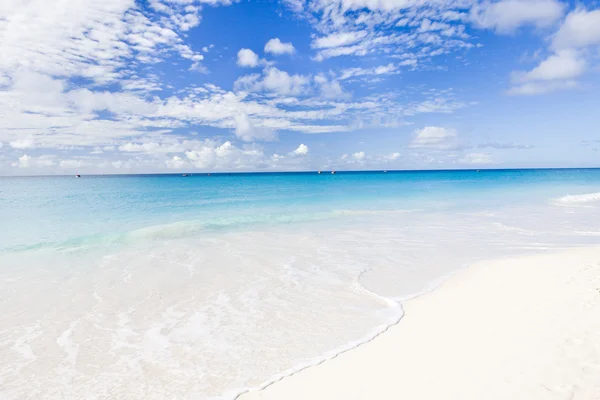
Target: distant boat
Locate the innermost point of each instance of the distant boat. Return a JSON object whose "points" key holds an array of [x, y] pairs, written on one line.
{"points": [[77, 176], [185, 175], [332, 172], [384, 172], [319, 172]]}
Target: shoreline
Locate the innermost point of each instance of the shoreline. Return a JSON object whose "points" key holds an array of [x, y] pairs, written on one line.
{"points": [[444, 332], [378, 331]]}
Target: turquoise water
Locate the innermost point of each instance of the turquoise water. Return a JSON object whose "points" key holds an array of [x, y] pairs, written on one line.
{"points": [[201, 287], [67, 211]]}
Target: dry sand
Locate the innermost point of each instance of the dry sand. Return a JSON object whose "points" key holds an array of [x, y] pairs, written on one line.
{"points": [[521, 328]]}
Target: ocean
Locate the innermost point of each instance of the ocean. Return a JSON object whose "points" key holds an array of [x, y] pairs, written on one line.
{"points": [[206, 286]]}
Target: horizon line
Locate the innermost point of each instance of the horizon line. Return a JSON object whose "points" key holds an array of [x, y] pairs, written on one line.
{"points": [[324, 171]]}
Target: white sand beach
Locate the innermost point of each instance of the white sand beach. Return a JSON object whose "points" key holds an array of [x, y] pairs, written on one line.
{"points": [[521, 328]]}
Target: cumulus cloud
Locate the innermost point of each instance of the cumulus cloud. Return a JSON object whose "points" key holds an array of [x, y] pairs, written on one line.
{"points": [[152, 148], [564, 65], [391, 157], [434, 137], [247, 131], [302, 150], [213, 155], [175, 162], [23, 161], [275, 81], [476, 158], [277, 47], [581, 28], [359, 156], [330, 89], [70, 164], [26, 143], [556, 72], [247, 58], [570, 58], [537, 88], [27, 161], [507, 15]]}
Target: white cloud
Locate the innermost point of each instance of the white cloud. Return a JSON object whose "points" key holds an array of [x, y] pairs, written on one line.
{"points": [[566, 64], [571, 57], [434, 137], [225, 156], [391, 157], [120, 103], [69, 164], [59, 117], [276, 46], [341, 51], [508, 15], [581, 28], [176, 162], [557, 72], [247, 131], [338, 39], [536, 88], [476, 158], [92, 40], [275, 81], [340, 44], [361, 27], [247, 58], [302, 150], [504, 146], [27, 143], [151, 148], [381, 70], [428, 26], [330, 89], [359, 156], [26, 161]]}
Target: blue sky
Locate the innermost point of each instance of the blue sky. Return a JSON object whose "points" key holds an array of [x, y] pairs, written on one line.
{"points": [[124, 86]]}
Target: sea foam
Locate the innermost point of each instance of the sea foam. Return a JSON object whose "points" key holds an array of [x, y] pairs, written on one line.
{"points": [[579, 199]]}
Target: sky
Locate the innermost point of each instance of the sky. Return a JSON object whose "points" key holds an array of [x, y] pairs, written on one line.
{"points": [[125, 86]]}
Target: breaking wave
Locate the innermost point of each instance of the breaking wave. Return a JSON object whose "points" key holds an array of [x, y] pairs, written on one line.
{"points": [[579, 199]]}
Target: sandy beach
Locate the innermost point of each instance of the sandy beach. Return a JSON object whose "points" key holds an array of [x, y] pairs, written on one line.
{"points": [[519, 328]]}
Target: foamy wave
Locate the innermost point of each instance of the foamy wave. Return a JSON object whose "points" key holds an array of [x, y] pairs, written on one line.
{"points": [[372, 212], [578, 199], [509, 228]]}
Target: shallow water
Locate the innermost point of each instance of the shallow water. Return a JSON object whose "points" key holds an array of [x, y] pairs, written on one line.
{"points": [[202, 287]]}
